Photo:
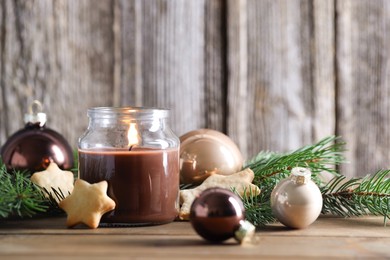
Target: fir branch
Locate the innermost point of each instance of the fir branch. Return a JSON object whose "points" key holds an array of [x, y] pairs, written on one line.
{"points": [[358, 196], [53, 197], [258, 208], [18, 195], [319, 157]]}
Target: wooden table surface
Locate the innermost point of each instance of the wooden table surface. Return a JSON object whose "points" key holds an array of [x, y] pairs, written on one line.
{"points": [[46, 238]]}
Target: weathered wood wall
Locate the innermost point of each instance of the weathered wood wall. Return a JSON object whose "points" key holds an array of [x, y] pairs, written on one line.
{"points": [[273, 75]]}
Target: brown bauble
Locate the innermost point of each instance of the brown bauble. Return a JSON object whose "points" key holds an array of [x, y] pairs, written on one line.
{"points": [[205, 152], [216, 214], [34, 147]]}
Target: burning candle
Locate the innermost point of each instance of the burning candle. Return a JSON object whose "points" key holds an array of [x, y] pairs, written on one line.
{"points": [[135, 151]]}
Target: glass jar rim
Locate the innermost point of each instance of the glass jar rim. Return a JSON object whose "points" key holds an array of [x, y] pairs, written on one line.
{"points": [[130, 112]]}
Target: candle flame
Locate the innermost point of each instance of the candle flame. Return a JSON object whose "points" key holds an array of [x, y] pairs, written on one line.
{"points": [[132, 135]]}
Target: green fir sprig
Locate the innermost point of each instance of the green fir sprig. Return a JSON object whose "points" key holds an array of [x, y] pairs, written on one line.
{"points": [[358, 196], [270, 167], [19, 197], [258, 208]]}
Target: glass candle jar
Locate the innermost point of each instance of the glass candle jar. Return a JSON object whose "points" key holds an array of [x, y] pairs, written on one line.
{"points": [[136, 152]]}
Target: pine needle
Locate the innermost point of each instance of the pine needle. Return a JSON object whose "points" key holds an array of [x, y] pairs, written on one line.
{"points": [[358, 196], [258, 208], [19, 197], [319, 157]]}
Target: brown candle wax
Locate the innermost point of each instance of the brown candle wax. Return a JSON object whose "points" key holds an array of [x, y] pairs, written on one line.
{"points": [[144, 183]]}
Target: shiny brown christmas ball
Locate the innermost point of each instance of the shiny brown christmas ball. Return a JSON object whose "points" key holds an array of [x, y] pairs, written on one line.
{"points": [[204, 152], [34, 147], [216, 214]]}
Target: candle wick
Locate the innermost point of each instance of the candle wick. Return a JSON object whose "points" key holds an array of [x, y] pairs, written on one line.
{"points": [[131, 147]]}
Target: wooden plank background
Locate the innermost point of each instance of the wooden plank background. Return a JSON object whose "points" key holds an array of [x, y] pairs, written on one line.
{"points": [[273, 75]]}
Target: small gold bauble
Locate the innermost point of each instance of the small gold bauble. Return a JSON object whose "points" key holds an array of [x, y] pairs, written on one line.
{"points": [[204, 152]]}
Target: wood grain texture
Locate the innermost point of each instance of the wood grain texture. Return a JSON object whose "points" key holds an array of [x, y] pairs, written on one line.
{"points": [[61, 53], [173, 61], [171, 55], [326, 238], [215, 62], [238, 108], [363, 98], [129, 61], [322, 67], [280, 95], [273, 75]]}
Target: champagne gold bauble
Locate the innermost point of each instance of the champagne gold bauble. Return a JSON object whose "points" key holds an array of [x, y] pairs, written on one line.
{"points": [[205, 152], [296, 201]]}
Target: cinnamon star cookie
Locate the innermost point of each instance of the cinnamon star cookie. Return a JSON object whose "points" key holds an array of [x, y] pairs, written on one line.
{"points": [[87, 203], [54, 178]]}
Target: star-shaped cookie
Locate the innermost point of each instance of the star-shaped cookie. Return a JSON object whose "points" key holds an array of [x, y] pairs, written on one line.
{"points": [[87, 203], [54, 177]]}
